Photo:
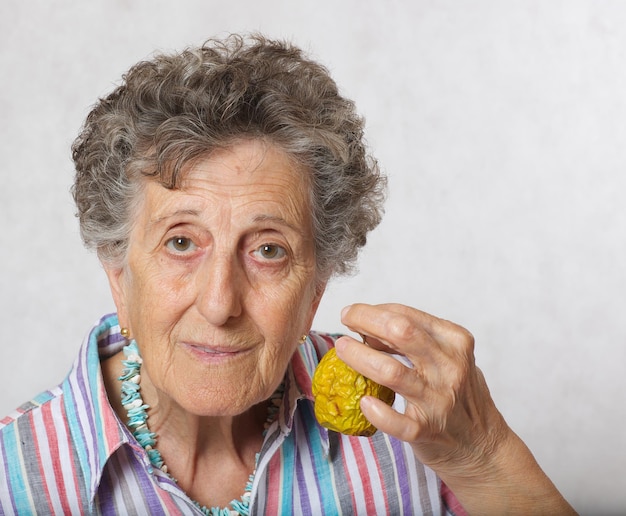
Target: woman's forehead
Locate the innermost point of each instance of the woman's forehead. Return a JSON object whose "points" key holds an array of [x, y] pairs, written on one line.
{"points": [[244, 168], [250, 177]]}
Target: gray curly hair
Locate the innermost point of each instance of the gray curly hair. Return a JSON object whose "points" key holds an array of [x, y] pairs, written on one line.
{"points": [[174, 109]]}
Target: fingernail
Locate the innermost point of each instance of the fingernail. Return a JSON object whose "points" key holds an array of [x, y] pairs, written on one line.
{"points": [[365, 402], [340, 344], [345, 310]]}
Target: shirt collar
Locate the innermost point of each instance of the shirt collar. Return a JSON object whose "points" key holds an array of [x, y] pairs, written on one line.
{"points": [[94, 425], [299, 379]]}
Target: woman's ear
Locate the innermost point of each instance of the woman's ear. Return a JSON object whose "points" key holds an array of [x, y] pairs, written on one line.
{"points": [[319, 292], [117, 282]]}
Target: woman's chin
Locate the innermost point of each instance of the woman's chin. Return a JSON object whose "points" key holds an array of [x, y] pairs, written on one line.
{"points": [[218, 397]]}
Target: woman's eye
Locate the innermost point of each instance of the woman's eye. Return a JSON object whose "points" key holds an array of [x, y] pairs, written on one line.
{"points": [[271, 252], [180, 244]]}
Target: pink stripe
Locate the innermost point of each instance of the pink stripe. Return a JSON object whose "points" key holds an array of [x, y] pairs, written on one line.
{"points": [[40, 450], [53, 445], [274, 478], [451, 501], [109, 421], [367, 485], [375, 472], [168, 502], [65, 445]]}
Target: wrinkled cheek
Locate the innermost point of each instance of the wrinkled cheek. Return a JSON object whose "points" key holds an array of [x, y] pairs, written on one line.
{"points": [[155, 311], [158, 298]]}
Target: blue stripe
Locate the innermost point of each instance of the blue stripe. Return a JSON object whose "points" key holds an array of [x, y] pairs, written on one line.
{"points": [[42, 398], [76, 437], [321, 464], [287, 466], [13, 468]]}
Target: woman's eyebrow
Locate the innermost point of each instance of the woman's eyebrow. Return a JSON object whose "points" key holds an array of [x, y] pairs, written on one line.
{"points": [[278, 220], [162, 218]]}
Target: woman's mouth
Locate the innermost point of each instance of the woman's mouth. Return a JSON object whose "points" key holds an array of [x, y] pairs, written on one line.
{"points": [[210, 353]]}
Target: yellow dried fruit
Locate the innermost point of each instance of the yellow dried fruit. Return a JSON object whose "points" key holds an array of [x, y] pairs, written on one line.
{"points": [[338, 389]]}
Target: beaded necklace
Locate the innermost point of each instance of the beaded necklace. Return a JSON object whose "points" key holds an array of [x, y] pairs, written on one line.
{"points": [[138, 424]]}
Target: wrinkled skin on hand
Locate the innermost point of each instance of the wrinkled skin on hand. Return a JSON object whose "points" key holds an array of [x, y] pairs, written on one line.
{"points": [[338, 389], [450, 419]]}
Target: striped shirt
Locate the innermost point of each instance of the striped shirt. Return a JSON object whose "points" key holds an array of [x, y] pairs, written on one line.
{"points": [[67, 452]]}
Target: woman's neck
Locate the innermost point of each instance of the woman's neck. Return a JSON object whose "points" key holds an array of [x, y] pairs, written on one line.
{"points": [[211, 458]]}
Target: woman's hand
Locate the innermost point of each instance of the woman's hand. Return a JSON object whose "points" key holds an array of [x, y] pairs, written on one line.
{"points": [[450, 419]]}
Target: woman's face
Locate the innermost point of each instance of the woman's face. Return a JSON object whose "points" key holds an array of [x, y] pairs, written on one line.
{"points": [[219, 282]]}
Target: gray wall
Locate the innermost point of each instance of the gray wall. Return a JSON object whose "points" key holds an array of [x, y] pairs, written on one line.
{"points": [[502, 127]]}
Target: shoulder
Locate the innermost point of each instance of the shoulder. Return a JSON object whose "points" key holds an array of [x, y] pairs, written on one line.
{"points": [[29, 438], [62, 438], [32, 408]]}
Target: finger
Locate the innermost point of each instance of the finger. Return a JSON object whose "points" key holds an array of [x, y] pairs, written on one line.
{"points": [[386, 326], [382, 368], [399, 327], [390, 328], [389, 421]]}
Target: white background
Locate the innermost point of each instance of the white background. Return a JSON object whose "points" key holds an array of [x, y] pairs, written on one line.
{"points": [[502, 127]]}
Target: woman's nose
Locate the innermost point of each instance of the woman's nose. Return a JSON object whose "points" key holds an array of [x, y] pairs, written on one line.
{"points": [[220, 288]]}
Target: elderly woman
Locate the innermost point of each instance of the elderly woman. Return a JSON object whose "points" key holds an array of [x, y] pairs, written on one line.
{"points": [[222, 188]]}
